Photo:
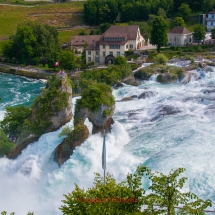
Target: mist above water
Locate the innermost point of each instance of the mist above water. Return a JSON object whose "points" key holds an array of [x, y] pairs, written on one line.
{"points": [[174, 128]]}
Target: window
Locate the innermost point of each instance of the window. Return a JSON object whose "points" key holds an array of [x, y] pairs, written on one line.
{"points": [[131, 46], [103, 54], [118, 54], [114, 46], [103, 46], [111, 53], [89, 52], [89, 59], [97, 59], [126, 46], [97, 52]]}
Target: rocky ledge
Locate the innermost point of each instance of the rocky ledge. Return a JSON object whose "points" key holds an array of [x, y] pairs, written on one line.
{"points": [[51, 110]]}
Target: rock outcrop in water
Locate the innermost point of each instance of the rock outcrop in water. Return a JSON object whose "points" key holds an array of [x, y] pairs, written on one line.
{"points": [[51, 110], [64, 150]]}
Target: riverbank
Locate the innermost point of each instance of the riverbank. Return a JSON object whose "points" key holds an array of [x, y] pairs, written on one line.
{"points": [[33, 73]]}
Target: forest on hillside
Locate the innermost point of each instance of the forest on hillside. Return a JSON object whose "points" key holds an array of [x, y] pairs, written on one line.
{"points": [[101, 11]]}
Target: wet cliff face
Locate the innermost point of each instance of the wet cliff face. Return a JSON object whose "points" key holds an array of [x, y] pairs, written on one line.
{"points": [[101, 119], [64, 150], [51, 110]]}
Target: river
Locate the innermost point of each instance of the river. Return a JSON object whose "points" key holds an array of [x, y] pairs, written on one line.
{"points": [[173, 127]]}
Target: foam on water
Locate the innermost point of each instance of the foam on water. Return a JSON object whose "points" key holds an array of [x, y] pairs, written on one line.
{"points": [[174, 128]]}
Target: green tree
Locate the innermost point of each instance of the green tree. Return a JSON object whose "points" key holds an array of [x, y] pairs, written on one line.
{"points": [[159, 33], [161, 12], [120, 60], [199, 33], [160, 59], [207, 5], [67, 60], [121, 198], [184, 11], [32, 42], [5, 145], [213, 33], [166, 194], [14, 119], [178, 21]]}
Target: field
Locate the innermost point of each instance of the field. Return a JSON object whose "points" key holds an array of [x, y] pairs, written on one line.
{"points": [[62, 15]]}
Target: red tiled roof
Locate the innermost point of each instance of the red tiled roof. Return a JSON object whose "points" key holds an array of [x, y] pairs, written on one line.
{"points": [[93, 46], [129, 31], [179, 30], [212, 12], [82, 39]]}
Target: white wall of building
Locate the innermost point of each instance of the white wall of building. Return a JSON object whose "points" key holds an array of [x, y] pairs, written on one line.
{"points": [[179, 39]]}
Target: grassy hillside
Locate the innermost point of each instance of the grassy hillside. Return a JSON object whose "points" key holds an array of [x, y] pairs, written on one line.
{"points": [[58, 15]]}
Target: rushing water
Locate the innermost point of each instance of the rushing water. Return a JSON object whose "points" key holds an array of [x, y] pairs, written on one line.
{"points": [[173, 127]]}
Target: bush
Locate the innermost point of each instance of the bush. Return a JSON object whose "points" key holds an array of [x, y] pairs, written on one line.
{"points": [[120, 60], [5, 145], [160, 59], [129, 52]]}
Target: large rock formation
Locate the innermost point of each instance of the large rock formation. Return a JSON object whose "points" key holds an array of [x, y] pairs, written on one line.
{"points": [[99, 119], [97, 104], [64, 150], [51, 110]]}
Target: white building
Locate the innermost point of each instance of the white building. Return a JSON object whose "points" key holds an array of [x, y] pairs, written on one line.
{"points": [[179, 36], [114, 42], [210, 20]]}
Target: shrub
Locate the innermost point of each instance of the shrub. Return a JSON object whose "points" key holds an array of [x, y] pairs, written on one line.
{"points": [[5, 145], [94, 96], [160, 59]]}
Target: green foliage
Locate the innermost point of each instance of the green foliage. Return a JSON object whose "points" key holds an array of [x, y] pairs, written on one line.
{"points": [[65, 131], [199, 32], [121, 198], [67, 60], [14, 119], [49, 102], [95, 95], [178, 21], [184, 11], [160, 59], [120, 61], [161, 12], [166, 193], [127, 197], [5, 145], [159, 33], [5, 213], [108, 76], [208, 5], [213, 33], [31, 43], [189, 57]]}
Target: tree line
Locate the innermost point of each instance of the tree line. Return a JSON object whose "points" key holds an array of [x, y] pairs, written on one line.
{"points": [[101, 11]]}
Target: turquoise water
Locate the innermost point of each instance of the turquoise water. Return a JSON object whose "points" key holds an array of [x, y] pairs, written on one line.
{"points": [[17, 90], [174, 128]]}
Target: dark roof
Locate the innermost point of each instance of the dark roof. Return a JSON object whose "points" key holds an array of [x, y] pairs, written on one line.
{"points": [[82, 39], [129, 31], [93, 46], [213, 11], [179, 30]]}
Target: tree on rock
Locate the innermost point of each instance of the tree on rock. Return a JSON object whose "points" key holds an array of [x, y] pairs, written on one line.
{"points": [[159, 33], [199, 33], [178, 21]]}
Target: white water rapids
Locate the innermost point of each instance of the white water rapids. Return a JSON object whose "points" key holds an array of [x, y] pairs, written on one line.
{"points": [[173, 127]]}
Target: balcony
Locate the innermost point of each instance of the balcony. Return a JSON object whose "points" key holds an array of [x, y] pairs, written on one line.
{"points": [[210, 19]]}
